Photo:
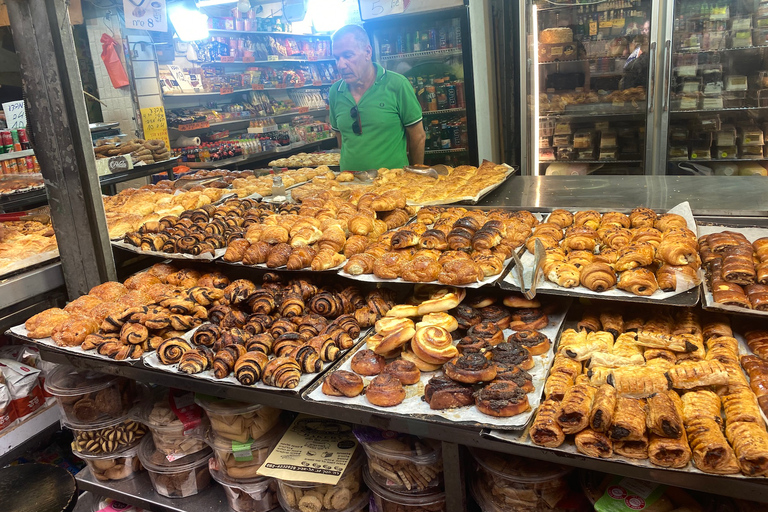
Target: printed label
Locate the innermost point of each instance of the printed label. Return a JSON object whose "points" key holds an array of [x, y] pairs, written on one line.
{"points": [[242, 451]]}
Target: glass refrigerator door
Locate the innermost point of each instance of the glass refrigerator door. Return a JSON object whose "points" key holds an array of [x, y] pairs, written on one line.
{"points": [[428, 51], [588, 69], [718, 88]]}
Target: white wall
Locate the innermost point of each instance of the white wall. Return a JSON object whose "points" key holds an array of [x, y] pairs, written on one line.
{"points": [[486, 99]]}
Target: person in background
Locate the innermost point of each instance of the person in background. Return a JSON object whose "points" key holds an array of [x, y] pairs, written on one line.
{"points": [[636, 67], [375, 113]]}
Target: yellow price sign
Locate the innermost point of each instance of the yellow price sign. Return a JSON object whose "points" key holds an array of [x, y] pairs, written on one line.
{"points": [[155, 126]]}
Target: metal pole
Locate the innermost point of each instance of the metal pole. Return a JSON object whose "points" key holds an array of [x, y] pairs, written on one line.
{"points": [[58, 118]]}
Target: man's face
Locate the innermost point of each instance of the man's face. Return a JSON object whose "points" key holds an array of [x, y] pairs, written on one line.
{"points": [[351, 59]]}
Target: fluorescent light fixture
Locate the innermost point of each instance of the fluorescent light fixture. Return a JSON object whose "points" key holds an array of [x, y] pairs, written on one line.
{"points": [[189, 23], [326, 15], [534, 50]]}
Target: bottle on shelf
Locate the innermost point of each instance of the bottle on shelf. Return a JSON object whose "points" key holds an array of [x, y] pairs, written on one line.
{"points": [[445, 136], [441, 94], [435, 133]]}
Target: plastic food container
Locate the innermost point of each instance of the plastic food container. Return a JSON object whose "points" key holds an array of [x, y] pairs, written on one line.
{"points": [[117, 466], [253, 495], [89, 397], [517, 483], [383, 500], [103, 504], [169, 432], [238, 421], [106, 437], [177, 479], [402, 464], [349, 495], [238, 460]]}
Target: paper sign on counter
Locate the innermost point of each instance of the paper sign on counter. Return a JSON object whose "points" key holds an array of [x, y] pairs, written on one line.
{"points": [[315, 450], [155, 125]]}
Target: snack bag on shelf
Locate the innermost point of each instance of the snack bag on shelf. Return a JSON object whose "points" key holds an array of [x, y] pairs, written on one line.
{"points": [[23, 385]]}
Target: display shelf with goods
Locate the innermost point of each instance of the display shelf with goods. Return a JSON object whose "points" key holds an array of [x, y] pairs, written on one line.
{"points": [[17, 440], [236, 91]]}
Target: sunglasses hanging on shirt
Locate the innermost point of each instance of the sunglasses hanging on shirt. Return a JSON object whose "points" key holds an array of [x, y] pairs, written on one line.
{"points": [[357, 126]]}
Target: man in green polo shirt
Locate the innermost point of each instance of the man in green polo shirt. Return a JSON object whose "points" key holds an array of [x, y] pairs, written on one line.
{"points": [[374, 112]]}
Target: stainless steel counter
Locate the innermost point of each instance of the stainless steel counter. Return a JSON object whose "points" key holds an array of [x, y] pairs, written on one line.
{"points": [[745, 196]]}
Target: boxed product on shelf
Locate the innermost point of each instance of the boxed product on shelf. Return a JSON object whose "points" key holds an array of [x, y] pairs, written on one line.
{"points": [[740, 38], [608, 154], [712, 103], [700, 152], [562, 140], [743, 22], [241, 460], [754, 152], [565, 153], [238, 421], [172, 436], [677, 153], [736, 83], [20, 392], [726, 136], [607, 139], [106, 437], [750, 136], [585, 154], [113, 466], [547, 154], [726, 152], [385, 500], [545, 142]]}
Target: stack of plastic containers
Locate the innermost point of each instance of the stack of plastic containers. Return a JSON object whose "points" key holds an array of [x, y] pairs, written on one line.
{"points": [[404, 472], [507, 483], [99, 409], [172, 477]]}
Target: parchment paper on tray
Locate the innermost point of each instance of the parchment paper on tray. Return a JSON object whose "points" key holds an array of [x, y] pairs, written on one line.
{"points": [[151, 360], [708, 300], [21, 332], [544, 284], [468, 199], [263, 266], [414, 405], [218, 253], [28, 262]]}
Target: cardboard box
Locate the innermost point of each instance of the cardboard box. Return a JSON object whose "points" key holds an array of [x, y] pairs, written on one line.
{"points": [[558, 52]]}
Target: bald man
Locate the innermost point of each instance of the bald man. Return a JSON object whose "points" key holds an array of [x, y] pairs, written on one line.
{"points": [[375, 113]]}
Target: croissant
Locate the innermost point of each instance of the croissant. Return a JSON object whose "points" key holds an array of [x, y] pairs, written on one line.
{"points": [[691, 374], [333, 238], [598, 277], [282, 372], [628, 420], [249, 367], [642, 218], [300, 257], [257, 253], [404, 238], [615, 237], [306, 235], [566, 275], [664, 416], [236, 250], [575, 408], [395, 218], [639, 281], [547, 242], [545, 430], [588, 218], [225, 359], [676, 250], [360, 264], [637, 254], [561, 218], [361, 224], [356, 244], [274, 235], [326, 259], [593, 443], [549, 229], [603, 406]]}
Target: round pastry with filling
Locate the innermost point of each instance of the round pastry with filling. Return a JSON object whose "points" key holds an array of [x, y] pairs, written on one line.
{"points": [[470, 368], [536, 342], [367, 362], [501, 399]]}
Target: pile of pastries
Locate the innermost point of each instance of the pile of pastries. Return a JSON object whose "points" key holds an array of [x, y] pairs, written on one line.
{"points": [[319, 234], [23, 239], [756, 365], [140, 150], [437, 330], [454, 246], [277, 332], [640, 253], [307, 160], [10, 184], [737, 270], [654, 385], [125, 320]]}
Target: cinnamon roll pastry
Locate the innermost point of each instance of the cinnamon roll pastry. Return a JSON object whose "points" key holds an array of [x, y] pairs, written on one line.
{"points": [[628, 420], [594, 444], [639, 281], [500, 316], [603, 406], [575, 408], [326, 304], [385, 390], [468, 344], [471, 368], [442, 393], [508, 355], [367, 362], [134, 334], [517, 376], [171, 350], [750, 443], [730, 294], [282, 372], [433, 345], [545, 430], [637, 254], [342, 383], [535, 342], [587, 218], [560, 218], [664, 416], [292, 305], [196, 360], [501, 399], [758, 296], [692, 374]]}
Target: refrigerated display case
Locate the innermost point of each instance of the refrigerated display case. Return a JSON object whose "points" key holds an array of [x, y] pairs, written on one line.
{"points": [[432, 49]]}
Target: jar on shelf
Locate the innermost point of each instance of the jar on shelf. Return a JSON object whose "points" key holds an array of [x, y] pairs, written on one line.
{"points": [[238, 421], [88, 397], [248, 495], [385, 500], [241, 460], [113, 467], [106, 437]]}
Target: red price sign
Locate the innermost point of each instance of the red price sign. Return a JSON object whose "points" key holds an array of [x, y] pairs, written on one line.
{"points": [[303, 110], [247, 58], [317, 82], [226, 89], [193, 126], [257, 87]]}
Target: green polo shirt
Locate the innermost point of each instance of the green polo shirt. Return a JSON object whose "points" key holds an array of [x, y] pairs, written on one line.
{"points": [[386, 108]]}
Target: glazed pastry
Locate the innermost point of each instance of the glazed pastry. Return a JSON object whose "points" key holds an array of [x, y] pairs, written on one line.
{"points": [[628, 420], [249, 367], [561, 377], [660, 340], [517, 376], [442, 393], [385, 390], [42, 324], [639, 281], [562, 218], [638, 254], [566, 275], [593, 443], [632, 381], [342, 383], [282, 372], [691, 374], [405, 371], [575, 408], [665, 415], [711, 451], [634, 449], [444, 320], [420, 270], [535, 342], [588, 218], [470, 368], [508, 355], [367, 362], [750, 443], [642, 218], [672, 277], [757, 369], [597, 276], [501, 399], [171, 350], [488, 331], [460, 272], [518, 301], [545, 430], [669, 453], [434, 345], [740, 405], [603, 407]]}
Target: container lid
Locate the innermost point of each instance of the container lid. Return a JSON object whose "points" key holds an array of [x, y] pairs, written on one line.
{"points": [[354, 463], [130, 451], [156, 461], [98, 425], [268, 440], [393, 445], [518, 469], [248, 485], [67, 381], [409, 500], [356, 506], [224, 406]]}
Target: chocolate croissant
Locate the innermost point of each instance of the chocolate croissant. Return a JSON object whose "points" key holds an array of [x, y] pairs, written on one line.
{"points": [[225, 359], [249, 367], [669, 452], [598, 276], [196, 360], [640, 281], [545, 430], [628, 420], [603, 406], [664, 416], [282, 372], [171, 350], [575, 408], [594, 444]]}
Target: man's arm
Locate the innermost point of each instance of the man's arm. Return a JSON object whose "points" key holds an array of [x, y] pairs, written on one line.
{"points": [[416, 139]]}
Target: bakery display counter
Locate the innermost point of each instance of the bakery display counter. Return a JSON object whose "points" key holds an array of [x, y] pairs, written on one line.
{"points": [[138, 491], [109, 181]]}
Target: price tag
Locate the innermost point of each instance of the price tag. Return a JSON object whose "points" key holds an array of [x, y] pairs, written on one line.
{"points": [[227, 58], [226, 89], [723, 155], [257, 87], [377, 8], [317, 82], [193, 126], [155, 126], [593, 28], [272, 58], [242, 451], [617, 103], [15, 114], [303, 110]]}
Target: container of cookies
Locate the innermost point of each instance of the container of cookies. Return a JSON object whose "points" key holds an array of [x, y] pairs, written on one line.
{"points": [[177, 478], [238, 421], [238, 460], [402, 463], [250, 495], [86, 396], [115, 466], [384, 500], [106, 437], [171, 435], [348, 495], [507, 482]]}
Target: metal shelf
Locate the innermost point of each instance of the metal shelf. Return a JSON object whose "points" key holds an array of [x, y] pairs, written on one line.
{"points": [[263, 33], [592, 114], [21, 437], [140, 171], [761, 159], [246, 120], [445, 151], [237, 91], [592, 161], [719, 50], [23, 200], [253, 157], [451, 435], [283, 59], [16, 154], [443, 111], [419, 55], [138, 491], [31, 283], [734, 109], [588, 59]]}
